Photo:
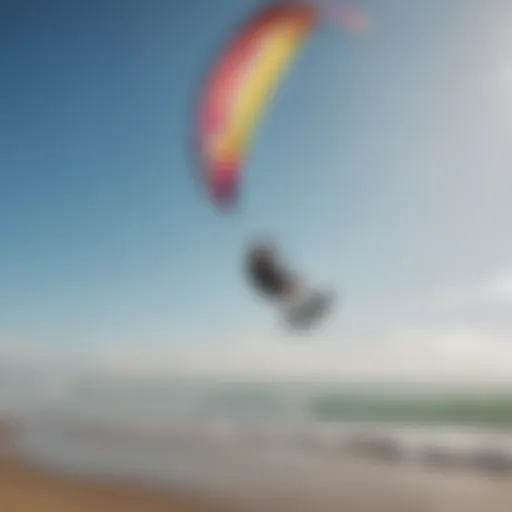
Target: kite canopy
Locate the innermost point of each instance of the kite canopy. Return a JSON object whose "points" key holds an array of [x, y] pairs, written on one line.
{"points": [[240, 87]]}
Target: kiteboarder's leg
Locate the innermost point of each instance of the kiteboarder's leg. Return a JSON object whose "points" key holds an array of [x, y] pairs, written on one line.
{"points": [[293, 289]]}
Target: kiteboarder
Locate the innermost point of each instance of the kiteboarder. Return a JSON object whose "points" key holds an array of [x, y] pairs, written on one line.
{"points": [[300, 305], [268, 274]]}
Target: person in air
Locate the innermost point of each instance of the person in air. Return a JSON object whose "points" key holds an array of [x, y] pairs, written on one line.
{"points": [[268, 275], [302, 307]]}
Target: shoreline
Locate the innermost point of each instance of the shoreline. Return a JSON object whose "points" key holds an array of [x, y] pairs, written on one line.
{"points": [[257, 480], [27, 486]]}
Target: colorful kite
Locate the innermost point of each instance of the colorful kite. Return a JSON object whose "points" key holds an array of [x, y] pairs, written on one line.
{"points": [[244, 80], [240, 87]]}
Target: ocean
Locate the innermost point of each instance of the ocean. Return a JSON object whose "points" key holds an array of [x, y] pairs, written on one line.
{"points": [[101, 397]]}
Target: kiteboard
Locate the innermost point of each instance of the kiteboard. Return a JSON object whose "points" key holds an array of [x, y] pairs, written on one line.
{"points": [[310, 310]]}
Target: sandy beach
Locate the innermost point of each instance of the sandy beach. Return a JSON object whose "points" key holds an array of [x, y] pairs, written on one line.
{"points": [[25, 487], [308, 483]]}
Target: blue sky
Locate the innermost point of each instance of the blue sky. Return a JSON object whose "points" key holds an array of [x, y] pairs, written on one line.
{"points": [[382, 168]]}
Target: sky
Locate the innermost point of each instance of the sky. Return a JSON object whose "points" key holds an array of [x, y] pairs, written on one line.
{"points": [[381, 169]]}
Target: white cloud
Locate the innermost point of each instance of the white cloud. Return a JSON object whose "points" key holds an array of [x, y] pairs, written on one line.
{"points": [[365, 348], [493, 290], [412, 353], [498, 82], [406, 353], [501, 287]]}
